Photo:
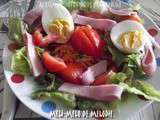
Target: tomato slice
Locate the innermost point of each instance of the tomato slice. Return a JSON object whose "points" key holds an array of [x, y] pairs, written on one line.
{"points": [[71, 74], [81, 42], [101, 79], [92, 35], [53, 64], [87, 40], [41, 41]]}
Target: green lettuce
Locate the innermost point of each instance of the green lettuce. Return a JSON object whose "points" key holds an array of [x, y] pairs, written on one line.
{"points": [[94, 105], [116, 78], [137, 87], [16, 30], [142, 88], [66, 99], [132, 61], [51, 92], [20, 63], [83, 5]]}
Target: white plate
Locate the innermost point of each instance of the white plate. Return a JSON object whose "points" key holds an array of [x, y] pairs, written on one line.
{"points": [[24, 88]]}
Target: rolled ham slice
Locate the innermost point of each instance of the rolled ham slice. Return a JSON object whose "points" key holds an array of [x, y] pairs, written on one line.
{"points": [[149, 64], [121, 12], [36, 64], [108, 92], [89, 75], [32, 15], [101, 24]]}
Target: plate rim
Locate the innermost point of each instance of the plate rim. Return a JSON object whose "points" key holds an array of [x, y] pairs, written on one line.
{"points": [[36, 111]]}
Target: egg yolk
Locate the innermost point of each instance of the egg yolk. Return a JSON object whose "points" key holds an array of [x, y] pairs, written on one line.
{"points": [[59, 27], [131, 39]]}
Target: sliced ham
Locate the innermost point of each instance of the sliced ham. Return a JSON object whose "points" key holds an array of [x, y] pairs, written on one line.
{"points": [[101, 24], [107, 92], [149, 64], [121, 12], [37, 67], [89, 75], [32, 15]]}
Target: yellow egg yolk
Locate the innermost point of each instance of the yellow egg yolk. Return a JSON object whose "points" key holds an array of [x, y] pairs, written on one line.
{"points": [[131, 39], [59, 27]]}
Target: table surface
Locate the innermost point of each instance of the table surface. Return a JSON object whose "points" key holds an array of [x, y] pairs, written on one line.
{"points": [[150, 113]]}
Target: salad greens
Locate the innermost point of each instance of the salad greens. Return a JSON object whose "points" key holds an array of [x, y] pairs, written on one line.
{"points": [[20, 63], [51, 92], [16, 29], [133, 86], [83, 5], [132, 61], [68, 100], [94, 105], [142, 90]]}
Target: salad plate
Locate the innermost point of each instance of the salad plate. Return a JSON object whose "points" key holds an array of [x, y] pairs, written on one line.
{"points": [[24, 86]]}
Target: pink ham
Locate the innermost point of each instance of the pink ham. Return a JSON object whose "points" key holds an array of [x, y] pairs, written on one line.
{"points": [[121, 12], [149, 61], [101, 24], [89, 75], [32, 15], [37, 67], [108, 92]]}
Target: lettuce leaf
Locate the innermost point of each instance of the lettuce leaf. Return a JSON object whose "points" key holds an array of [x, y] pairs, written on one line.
{"points": [[94, 105], [83, 5], [66, 99], [142, 88], [137, 87], [16, 30], [116, 78], [132, 61], [20, 63]]}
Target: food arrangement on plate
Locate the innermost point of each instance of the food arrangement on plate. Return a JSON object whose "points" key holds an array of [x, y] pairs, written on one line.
{"points": [[85, 58]]}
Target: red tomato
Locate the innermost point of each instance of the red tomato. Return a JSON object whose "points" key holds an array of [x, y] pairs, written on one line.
{"points": [[93, 15], [101, 79], [100, 51], [41, 41], [53, 64], [132, 17], [71, 74], [81, 42], [87, 40]]}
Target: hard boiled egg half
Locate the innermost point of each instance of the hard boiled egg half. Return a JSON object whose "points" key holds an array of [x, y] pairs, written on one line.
{"points": [[129, 36], [56, 19]]}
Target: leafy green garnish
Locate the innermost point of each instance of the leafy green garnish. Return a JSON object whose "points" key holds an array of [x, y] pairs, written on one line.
{"points": [[66, 99], [142, 88], [83, 5], [16, 30], [136, 87], [20, 63], [116, 78], [94, 105], [135, 7], [39, 51], [132, 61]]}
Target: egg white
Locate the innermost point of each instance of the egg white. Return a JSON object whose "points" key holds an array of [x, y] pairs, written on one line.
{"points": [[127, 26], [56, 11]]}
